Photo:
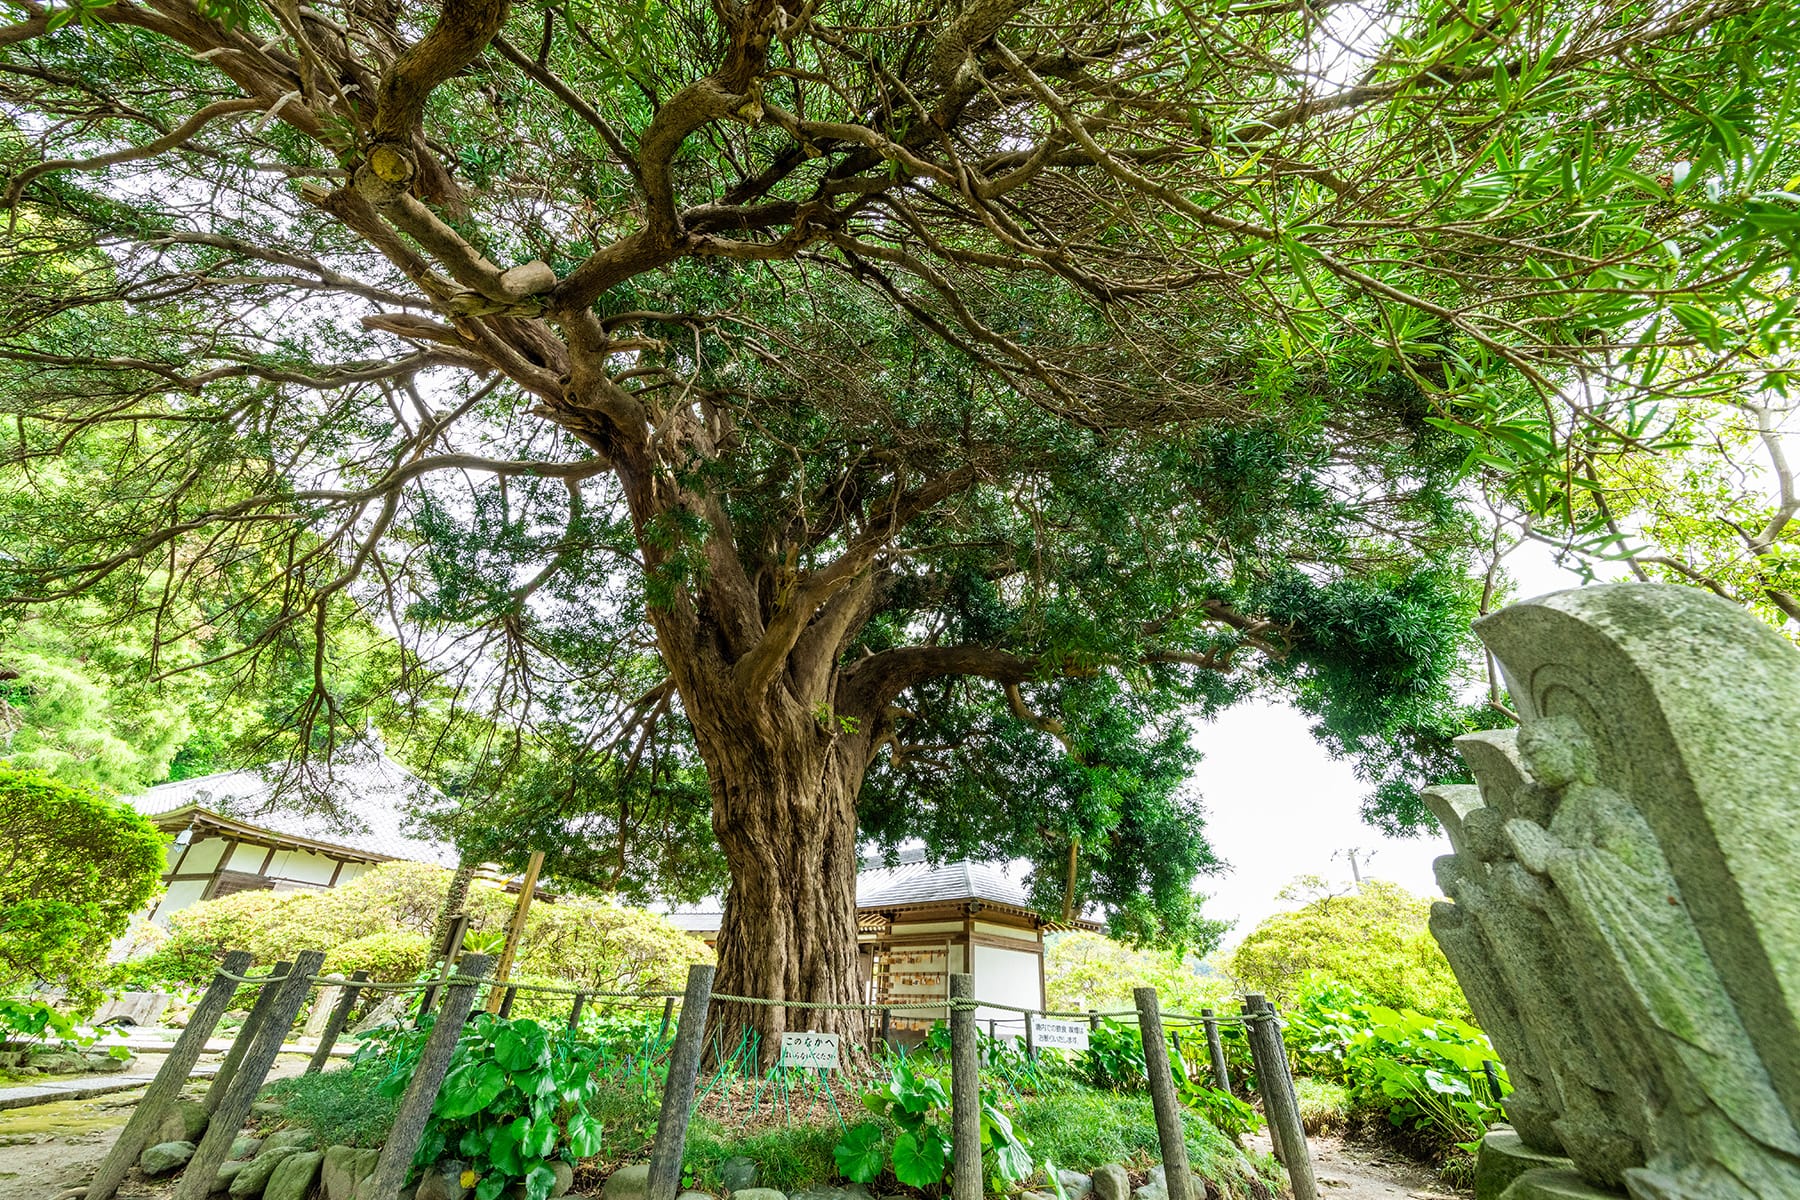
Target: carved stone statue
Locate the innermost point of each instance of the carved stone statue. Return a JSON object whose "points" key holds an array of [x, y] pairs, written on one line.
{"points": [[1624, 906]]}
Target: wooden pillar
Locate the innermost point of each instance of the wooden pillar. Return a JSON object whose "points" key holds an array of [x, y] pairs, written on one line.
{"points": [[965, 1091], [166, 1087], [667, 1150], [1177, 1175], [516, 928]]}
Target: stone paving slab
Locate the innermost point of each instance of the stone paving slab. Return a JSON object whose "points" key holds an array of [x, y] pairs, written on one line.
{"points": [[29, 1094]]}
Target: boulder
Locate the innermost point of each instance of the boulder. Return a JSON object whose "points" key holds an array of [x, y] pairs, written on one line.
{"points": [[696, 1196], [228, 1171], [289, 1139], [1111, 1183], [164, 1157], [565, 1178], [627, 1183], [255, 1176], [1157, 1187], [294, 1177], [346, 1171], [184, 1121], [444, 1182], [244, 1146], [1075, 1185], [57, 1062], [266, 1108], [739, 1174], [758, 1193]]}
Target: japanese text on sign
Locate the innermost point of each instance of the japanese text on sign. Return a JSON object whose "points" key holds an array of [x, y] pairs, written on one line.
{"points": [[815, 1051], [1059, 1035]]}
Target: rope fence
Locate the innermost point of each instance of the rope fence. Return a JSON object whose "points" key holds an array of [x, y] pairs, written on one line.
{"points": [[281, 993]]}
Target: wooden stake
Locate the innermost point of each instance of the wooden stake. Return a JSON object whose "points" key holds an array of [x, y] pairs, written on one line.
{"points": [[1216, 1049], [1281, 1101], [396, 1160], [670, 1146], [517, 929], [1177, 1175], [965, 1092], [265, 997], [166, 1087], [335, 1025]]}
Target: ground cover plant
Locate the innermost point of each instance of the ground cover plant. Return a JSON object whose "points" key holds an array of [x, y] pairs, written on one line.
{"points": [[1422, 1077]]}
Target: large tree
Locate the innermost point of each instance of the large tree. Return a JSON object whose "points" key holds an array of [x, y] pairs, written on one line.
{"points": [[940, 394]]}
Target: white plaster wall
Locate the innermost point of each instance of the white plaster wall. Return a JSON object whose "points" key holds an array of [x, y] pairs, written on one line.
{"points": [[302, 866], [1006, 977], [1006, 931], [201, 858], [178, 897], [247, 858]]}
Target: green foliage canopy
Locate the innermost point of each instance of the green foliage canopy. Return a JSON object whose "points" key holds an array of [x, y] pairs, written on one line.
{"points": [[1374, 940]]}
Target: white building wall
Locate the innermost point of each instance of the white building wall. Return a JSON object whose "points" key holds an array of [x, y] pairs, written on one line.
{"points": [[1010, 977], [303, 866]]}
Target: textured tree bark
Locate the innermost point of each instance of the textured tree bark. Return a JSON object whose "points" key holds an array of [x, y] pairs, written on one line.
{"points": [[784, 810]]}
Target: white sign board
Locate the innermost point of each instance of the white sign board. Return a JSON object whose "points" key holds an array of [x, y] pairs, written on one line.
{"points": [[1059, 1035], [816, 1051]]}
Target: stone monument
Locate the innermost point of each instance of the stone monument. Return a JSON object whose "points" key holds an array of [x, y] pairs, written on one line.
{"points": [[1624, 908]]}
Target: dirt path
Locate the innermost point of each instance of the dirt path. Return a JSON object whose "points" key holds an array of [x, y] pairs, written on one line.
{"points": [[1360, 1171]]}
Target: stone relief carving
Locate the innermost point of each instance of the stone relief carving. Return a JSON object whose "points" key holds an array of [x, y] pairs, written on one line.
{"points": [[1624, 892]]}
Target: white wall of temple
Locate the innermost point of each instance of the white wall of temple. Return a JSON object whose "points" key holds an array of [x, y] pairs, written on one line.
{"points": [[1004, 976]]}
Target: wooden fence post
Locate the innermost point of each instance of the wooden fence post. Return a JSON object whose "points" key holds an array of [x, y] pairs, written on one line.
{"points": [[1493, 1079], [668, 1012], [575, 1011], [459, 929], [1093, 1019], [340, 1016], [1177, 1175], [678, 1091], [396, 1160], [1279, 1099], [506, 1003], [1216, 1050], [515, 928], [265, 997], [166, 1087], [887, 1028], [1259, 1064], [1030, 1038], [965, 1090], [253, 1067]]}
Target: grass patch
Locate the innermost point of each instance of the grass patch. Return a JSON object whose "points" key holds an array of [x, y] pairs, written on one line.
{"points": [[1324, 1107], [1081, 1130], [341, 1107], [789, 1159]]}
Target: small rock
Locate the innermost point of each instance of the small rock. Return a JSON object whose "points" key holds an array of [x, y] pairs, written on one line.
{"points": [[443, 1182], [244, 1146], [255, 1176], [164, 1157], [57, 1062], [266, 1108], [758, 1193], [184, 1122], [695, 1196], [293, 1178], [1111, 1183], [228, 1171], [565, 1179], [346, 1172], [738, 1174], [289, 1139], [627, 1183], [1075, 1185], [1030, 1195]]}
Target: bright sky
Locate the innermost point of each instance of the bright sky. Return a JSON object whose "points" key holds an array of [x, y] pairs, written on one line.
{"points": [[1278, 806]]}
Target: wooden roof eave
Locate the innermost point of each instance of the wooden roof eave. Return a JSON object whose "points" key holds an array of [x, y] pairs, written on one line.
{"points": [[195, 815]]}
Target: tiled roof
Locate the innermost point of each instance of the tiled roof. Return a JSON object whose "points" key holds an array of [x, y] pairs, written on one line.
{"points": [[910, 881], [913, 880], [359, 800]]}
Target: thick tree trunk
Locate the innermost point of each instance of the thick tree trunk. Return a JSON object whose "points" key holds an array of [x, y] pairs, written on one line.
{"points": [[785, 816]]}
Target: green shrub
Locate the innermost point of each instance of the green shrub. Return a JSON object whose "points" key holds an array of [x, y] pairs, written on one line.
{"points": [[390, 956], [1080, 1130], [1324, 1106], [1374, 940], [77, 865], [790, 1159], [916, 1103]]}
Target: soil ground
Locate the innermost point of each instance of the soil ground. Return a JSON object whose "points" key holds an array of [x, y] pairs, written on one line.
{"points": [[1358, 1170]]}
